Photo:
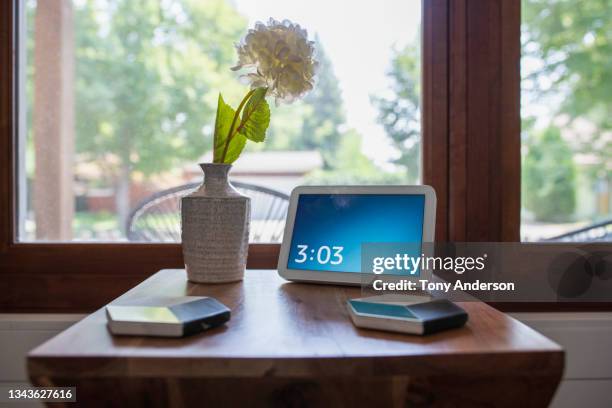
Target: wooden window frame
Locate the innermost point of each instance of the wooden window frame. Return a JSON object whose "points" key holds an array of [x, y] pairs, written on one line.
{"points": [[471, 156], [471, 129], [471, 117]]}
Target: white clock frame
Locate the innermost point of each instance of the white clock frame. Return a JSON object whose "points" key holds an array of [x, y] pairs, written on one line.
{"points": [[355, 278]]}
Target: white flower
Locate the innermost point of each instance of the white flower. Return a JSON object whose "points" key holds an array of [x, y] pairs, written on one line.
{"points": [[280, 57]]}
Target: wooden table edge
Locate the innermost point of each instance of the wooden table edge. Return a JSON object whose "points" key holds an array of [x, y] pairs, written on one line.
{"points": [[537, 362]]}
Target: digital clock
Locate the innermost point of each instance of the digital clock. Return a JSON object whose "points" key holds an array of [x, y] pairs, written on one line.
{"points": [[329, 229], [324, 254]]}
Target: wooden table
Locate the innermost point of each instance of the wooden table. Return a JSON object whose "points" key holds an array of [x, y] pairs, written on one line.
{"points": [[291, 344]]}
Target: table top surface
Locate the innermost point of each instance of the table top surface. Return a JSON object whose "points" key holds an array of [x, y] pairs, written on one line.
{"points": [[283, 328]]}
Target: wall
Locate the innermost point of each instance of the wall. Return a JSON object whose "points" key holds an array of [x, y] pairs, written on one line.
{"points": [[587, 340], [19, 333], [586, 337]]}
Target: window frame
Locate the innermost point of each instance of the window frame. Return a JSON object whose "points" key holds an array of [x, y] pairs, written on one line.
{"points": [[472, 126], [474, 168], [471, 117]]}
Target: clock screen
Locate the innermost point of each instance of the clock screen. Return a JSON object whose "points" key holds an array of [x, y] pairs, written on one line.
{"points": [[330, 228]]}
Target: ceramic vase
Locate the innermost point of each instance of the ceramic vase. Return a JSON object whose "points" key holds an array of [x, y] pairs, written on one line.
{"points": [[215, 223]]}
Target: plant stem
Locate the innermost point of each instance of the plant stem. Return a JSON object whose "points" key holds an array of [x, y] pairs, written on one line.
{"points": [[231, 133]]}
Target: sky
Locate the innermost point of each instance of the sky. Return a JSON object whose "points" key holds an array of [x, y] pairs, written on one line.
{"points": [[358, 37]]}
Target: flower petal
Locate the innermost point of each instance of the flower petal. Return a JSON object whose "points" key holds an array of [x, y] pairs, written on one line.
{"points": [[282, 56]]}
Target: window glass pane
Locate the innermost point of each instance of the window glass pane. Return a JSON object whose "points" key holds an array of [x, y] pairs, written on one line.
{"points": [[567, 121], [120, 98]]}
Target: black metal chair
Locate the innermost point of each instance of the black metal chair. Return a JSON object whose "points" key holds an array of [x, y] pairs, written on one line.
{"points": [[598, 232], [157, 218]]}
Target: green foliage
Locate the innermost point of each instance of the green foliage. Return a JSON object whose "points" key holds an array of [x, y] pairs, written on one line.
{"points": [[99, 224], [325, 111], [231, 133], [223, 129], [399, 112], [549, 177], [255, 116], [147, 73], [285, 131], [572, 41], [315, 123], [351, 166], [146, 76]]}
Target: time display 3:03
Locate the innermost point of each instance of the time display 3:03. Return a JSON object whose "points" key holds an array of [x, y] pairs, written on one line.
{"points": [[323, 255]]}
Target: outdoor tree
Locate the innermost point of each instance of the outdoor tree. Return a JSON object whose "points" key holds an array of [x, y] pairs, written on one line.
{"points": [[568, 46], [325, 114], [549, 177], [352, 166], [147, 77], [399, 112]]}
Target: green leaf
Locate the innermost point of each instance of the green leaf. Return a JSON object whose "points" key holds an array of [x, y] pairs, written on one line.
{"points": [[235, 148], [255, 116], [223, 121]]}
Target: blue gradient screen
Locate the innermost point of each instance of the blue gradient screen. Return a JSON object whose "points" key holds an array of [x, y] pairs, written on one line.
{"points": [[329, 228]]}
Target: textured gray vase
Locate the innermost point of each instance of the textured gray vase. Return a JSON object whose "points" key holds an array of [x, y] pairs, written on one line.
{"points": [[215, 228]]}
